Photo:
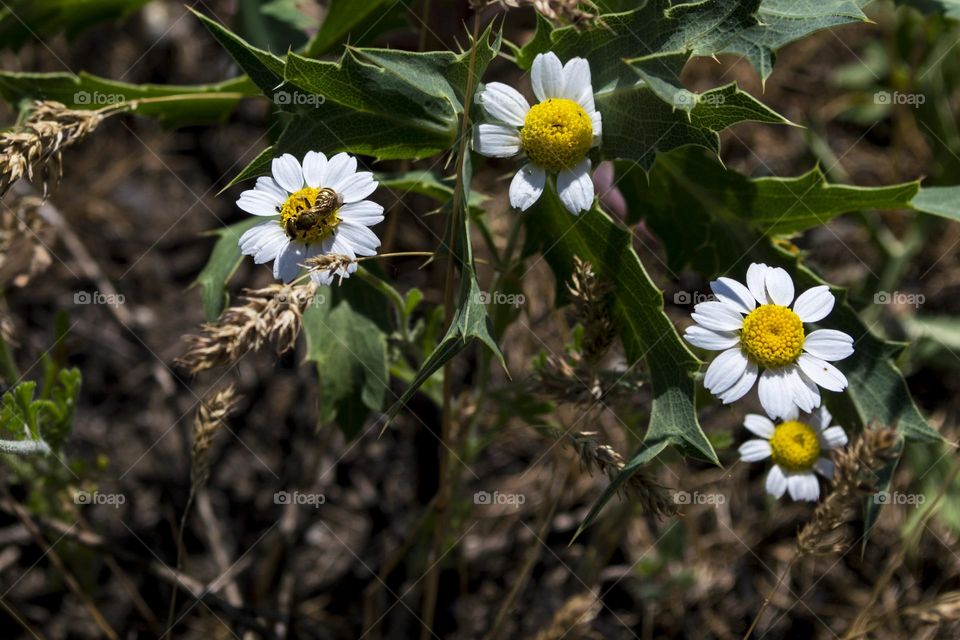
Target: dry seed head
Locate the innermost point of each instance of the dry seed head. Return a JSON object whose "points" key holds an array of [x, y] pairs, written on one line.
{"points": [[37, 145], [573, 619], [210, 419], [943, 609], [591, 299], [855, 477], [335, 263], [596, 456], [273, 313]]}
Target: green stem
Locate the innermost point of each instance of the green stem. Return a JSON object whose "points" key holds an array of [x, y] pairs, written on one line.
{"points": [[8, 366]]}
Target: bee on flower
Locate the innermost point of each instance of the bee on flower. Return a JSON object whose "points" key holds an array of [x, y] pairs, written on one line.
{"points": [[796, 448], [555, 134], [321, 209], [756, 328]]}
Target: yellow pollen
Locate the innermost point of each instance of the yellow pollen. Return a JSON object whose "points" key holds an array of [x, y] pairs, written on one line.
{"points": [[557, 134], [310, 215], [794, 446], [772, 336]]}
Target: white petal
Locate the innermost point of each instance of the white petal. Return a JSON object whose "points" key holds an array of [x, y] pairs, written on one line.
{"points": [[597, 121], [268, 184], [823, 373], [713, 340], [833, 437], [779, 286], [776, 482], [546, 76], [339, 169], [314, 169], [260, 202], [776, 396], [803, 487], [759, 425], [717, 315], [287, 172], [576, 187], [263, 242], [734, 294], [496, 140], [828, 344], [357, 187], [364, 212], [753, 450], [725, 371], [741, 386], [814, 304], [363, 241], [526, 186], [806, 394], [820, 419], [504, 104], [824, 467], [577, 85], [287, 265], [756, 282]]}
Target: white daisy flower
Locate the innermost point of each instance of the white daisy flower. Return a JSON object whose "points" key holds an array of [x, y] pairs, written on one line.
{"points": [[321, 209], [555, 133], [795, 447], [756, 329]]}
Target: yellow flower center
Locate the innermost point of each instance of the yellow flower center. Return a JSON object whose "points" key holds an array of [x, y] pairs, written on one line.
{"points": [[794, 446], [772, 336], [557, 134], [310, 215]]}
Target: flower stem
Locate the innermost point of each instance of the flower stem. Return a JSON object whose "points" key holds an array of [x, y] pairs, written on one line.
{"points": [[431, 580]]}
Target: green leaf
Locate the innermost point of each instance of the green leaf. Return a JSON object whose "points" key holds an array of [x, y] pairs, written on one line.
{"points": [[263, 67], [949, 8], [186, 104], [350, 352], [750, 28], [470, 320], [939, 201], [637, 125], [223, 262], [21, 20], [647, 333], [23, 417], [356, 21], [384, 103]]}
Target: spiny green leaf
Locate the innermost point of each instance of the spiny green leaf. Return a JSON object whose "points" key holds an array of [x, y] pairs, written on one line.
{"points": [[637, 125], [264, 68], [382, 102]]}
